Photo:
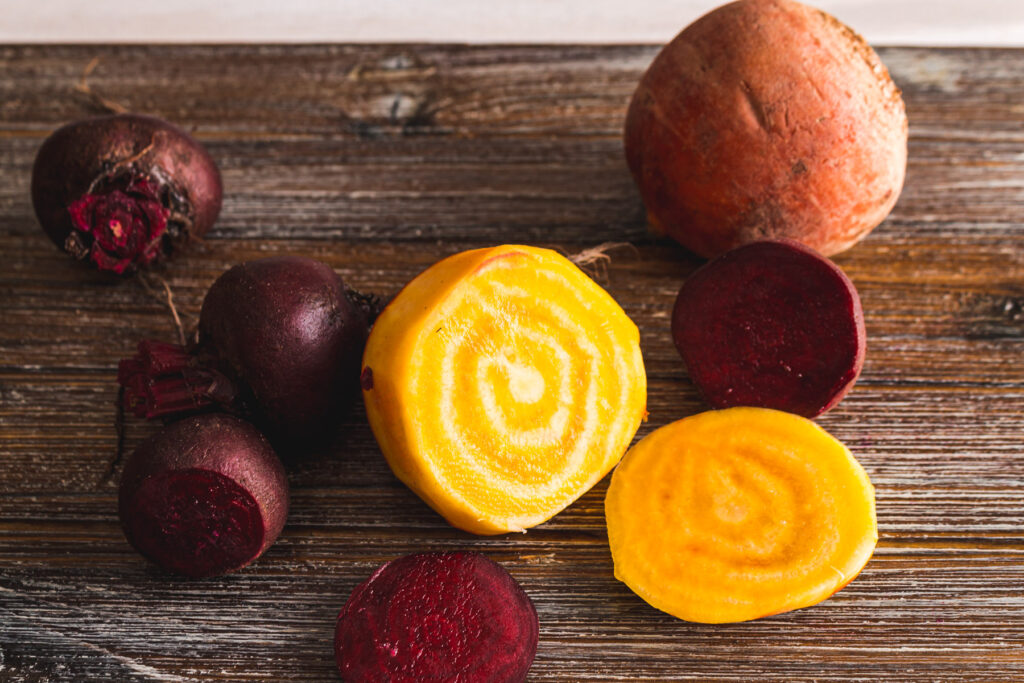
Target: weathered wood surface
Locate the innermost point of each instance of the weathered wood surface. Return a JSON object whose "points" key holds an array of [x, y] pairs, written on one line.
{"points": [[380, 160]]}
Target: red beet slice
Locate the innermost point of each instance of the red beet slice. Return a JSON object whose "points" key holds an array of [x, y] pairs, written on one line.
{"points": [[772, 324], [437, 617], [124, 191], [204, 496]]}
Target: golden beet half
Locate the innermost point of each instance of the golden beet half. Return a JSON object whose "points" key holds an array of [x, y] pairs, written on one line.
{"points": [[737, 514], [767, 118], [501, 385]]}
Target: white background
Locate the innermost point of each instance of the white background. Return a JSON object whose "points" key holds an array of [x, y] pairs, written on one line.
{"points": [[883, 22]]}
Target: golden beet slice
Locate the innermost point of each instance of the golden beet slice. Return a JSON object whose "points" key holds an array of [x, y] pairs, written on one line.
{"points": [[737, 514], [501, 385]]}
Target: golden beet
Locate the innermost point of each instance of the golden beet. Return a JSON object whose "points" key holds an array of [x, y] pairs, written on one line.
{"points": [[737, 514], [501, 385], [762, 119]]}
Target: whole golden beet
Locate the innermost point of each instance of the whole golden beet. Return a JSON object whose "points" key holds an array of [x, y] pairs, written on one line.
{"points": [[767, 118]]}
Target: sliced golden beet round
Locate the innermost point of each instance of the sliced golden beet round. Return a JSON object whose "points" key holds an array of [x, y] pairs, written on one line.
{"points": [[502, 384], [737, 514]]}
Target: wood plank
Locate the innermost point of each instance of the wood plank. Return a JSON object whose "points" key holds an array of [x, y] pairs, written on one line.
{"points": [[380, 160]]}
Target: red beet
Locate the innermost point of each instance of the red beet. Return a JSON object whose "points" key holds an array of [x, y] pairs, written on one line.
{"points": [[279, 338], [204, 496], [437, 617], [772, 324], [124, 190]]}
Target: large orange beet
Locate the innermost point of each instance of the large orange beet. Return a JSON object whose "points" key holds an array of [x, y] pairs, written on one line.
{"points": [[767, 118]]}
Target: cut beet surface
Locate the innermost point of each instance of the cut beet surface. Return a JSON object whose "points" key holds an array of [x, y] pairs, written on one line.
{"points": [[204, 496], [771, 324], [437, 617]]}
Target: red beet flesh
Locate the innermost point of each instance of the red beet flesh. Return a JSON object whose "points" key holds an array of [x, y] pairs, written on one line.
{"points": [[771, 324], [124, 191], [204, 496], [437, 617]]}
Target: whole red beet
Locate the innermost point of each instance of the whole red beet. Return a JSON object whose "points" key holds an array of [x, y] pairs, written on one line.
{"points": [[285, 327], [124, 190], [280, 340], [204, 496], [437, 617]]}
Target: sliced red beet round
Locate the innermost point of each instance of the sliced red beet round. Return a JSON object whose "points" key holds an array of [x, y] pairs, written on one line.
{"points": [[771, 324], [437, 617], [204, 496]]}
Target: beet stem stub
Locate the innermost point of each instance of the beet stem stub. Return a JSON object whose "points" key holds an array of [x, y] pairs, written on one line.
{"points": [[437, 617], [163, 380], [123, 228], [772, 324]]}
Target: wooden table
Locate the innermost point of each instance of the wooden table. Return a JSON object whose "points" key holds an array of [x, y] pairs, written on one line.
{"points": [[382, 159]]}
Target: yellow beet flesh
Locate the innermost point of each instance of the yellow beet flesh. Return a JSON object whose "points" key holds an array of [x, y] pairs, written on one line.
{"points": [[501, 385], [737, 514]]}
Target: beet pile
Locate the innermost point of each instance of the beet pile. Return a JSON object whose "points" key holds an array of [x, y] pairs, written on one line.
{"points": [[725, 150], [124, 191], [280, 340]]}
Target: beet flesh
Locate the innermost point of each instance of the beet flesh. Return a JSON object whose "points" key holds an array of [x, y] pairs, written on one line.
{"points": [[454, 616], [124, 191], [204, 496], [284, 329], [771, 324]]}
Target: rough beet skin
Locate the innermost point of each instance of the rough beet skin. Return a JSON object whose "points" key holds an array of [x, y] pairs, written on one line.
{"points": [[204, 496], [772, 324], [124, 190], [767, 119], [437, 617], [280, 341]]}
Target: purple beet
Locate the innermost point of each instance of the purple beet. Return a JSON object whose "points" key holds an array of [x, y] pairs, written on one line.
{"points": [[772, 324], [124, 191], [437, 617], [280, 339], [204, 496]]}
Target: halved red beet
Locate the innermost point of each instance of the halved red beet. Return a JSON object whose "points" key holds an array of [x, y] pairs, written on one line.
{"points": [[124, 190], [772, 324], [204, 496], [453, 616], [280, 339]]}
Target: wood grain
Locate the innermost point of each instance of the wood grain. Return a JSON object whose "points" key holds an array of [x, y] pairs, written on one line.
{"points": [[380, 160]]}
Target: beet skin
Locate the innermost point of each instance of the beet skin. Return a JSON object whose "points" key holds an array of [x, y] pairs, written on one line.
{"points": [[771, 324], [286, 330], [437, 617], [124, 191], [767, 119], [204, 496]]}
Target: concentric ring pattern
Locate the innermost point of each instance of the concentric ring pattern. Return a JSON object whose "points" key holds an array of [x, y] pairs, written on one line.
{"points": [[524, 386], [738, 514]]}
